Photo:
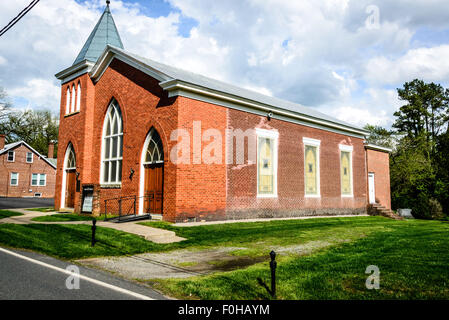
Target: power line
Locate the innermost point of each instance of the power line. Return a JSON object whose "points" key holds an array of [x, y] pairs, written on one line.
{"points": [[19, 16]]}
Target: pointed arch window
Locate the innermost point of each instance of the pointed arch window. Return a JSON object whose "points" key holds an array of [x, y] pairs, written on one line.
{"points": [[78, 97], [155, 151], [71, 159], [111, 171], [67, 106], [72, 106]]}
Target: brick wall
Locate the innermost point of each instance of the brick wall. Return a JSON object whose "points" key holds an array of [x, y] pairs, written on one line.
{"points": [[242, 201], [379, 163], [25, 170], [203, 191]]}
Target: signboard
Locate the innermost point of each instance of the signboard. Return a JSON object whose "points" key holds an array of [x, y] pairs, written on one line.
{"points": [[88, 196]]}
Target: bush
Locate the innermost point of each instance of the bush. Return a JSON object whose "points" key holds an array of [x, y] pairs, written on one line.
{"points": [[435, 209], [426, 208]]}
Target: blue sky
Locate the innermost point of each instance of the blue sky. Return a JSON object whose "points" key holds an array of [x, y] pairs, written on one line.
{"points": [[332, 55]]}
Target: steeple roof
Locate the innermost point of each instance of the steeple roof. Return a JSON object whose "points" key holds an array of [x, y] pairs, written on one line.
{"points": [[105, 33]]}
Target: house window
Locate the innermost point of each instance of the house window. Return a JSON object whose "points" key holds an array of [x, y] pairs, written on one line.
{"points": [[14, 181], [11, 156], [112, 146], [311, 167], [267, 163], [67, 106], [29, 157], [38, 179], [78, 97], [72, 105], [346, 170]]}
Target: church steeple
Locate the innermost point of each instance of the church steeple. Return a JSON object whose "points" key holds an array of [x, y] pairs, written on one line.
{"points": [[104, 33]]}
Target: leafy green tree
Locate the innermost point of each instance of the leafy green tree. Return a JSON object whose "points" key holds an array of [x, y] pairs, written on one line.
{"points": [[380, 136], [419, 169], [37, 128], [426, 111]]}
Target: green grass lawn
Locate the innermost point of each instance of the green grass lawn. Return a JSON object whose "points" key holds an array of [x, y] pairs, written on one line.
{"points": [[413, 258], [63, 217], [327, 260], [42, 209], [73, 241], [8, 213], [60, 217]]}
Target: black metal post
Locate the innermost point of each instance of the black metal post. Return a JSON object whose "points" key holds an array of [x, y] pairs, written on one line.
{"points": [[94, 227], [135, 200], [105, 210], [273, 265]]}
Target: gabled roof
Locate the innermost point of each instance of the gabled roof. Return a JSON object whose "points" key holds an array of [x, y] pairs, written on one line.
{"points": [[104, 33], [11, 146], [185, 83]]}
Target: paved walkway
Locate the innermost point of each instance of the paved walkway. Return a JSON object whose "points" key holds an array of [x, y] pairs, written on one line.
{"points": [[152, 234], [205, 223]]}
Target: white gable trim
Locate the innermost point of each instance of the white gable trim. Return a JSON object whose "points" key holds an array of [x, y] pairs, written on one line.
{"points": [[17, 144]]}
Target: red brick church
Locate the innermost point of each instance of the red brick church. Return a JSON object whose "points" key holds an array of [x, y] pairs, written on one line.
{"points": [[140, 137]]}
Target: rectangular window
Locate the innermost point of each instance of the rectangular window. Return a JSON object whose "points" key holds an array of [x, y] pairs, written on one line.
{"points": [[11, 156], [38, 179], [42, 180], [14, 179], [311, 167], [29, 157], [34, 179], [346, 170], [266, 163]]}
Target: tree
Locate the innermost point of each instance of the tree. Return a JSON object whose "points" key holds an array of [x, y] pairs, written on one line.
{"points": [[426, 111], [380, 136], [419, 165], [37, 128], [5, 105]]}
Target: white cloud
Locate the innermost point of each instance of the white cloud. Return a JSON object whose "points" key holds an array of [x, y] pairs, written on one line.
{"points": [[430, 64], [317, 53], [42, 92]]}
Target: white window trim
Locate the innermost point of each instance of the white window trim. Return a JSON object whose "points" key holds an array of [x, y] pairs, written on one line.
{"points": [[32, 157], [13, 156], [73, 96], [10, 179], [39, 180], [346, 148], [313, 143], [78, 97], [45, 180], [103, 147], [274, 135], [67, 107]]}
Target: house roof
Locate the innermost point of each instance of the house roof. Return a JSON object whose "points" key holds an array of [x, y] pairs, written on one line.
{"points": [[104, 33], [174, 79], [11, 146], [104, 44]]}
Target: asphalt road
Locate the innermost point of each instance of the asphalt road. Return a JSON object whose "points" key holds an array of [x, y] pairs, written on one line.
{"points": [[18, 203], [43, 278]]}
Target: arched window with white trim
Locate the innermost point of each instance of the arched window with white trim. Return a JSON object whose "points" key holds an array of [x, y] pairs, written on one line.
{"points": [[78, 97], [67, 106], [112, 154], [72, 107], [71, 159], [155, 152]]}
